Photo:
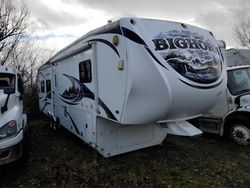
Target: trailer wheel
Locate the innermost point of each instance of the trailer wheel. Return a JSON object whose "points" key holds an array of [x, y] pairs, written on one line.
{"points": [[239, 130], [52, 125]]}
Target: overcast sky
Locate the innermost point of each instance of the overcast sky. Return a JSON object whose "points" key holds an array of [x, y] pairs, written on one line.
{"points": [[59, 22]]}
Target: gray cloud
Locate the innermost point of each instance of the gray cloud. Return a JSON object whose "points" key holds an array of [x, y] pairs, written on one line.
{"points": [[224, 16], [141, 7], [218, 16], [45, 17]]}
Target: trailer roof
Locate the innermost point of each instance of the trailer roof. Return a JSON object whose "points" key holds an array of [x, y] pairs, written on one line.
{"points": [[110, 26], [237, 67], [102, 29]]}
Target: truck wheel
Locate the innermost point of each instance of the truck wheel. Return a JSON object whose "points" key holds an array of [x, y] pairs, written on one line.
{"points": [[239, 130], [25, 147]]}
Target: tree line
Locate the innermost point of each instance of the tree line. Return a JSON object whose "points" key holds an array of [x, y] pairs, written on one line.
{"points": [[18, 47]]}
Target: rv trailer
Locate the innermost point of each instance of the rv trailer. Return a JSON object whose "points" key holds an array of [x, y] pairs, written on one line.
{"points": [[128, 84], [13, 122], [230, 116]]}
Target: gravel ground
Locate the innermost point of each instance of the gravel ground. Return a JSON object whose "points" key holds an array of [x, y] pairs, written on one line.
{"points": [[62, 160]]}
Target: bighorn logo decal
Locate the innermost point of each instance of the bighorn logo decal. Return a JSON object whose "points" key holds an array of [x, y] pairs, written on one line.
{"points": [[190, 54]]}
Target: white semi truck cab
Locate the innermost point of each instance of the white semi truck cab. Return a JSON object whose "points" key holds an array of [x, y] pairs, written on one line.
{"points": [[231, 114], [13, 121]]}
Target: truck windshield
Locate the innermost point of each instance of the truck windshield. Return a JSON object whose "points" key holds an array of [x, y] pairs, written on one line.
{"points": [[7, 80], [239, 81]]}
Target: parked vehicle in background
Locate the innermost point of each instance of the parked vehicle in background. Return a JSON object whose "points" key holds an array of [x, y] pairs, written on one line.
{"points": [[127, 84], [231, 114], [13, 122]]}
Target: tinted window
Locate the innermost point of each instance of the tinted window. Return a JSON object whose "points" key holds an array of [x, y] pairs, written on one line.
{"points": [[239, 81], [85, 71], [42, 86], [20, 84], [7, 80], [48, 88]]}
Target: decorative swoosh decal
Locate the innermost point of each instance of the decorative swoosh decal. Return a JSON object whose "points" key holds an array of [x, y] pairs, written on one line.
{"points": [[107, 110], [74, 94], [45, 101], [133, 36], [45, 104], [77, 91], [136, 38], [107, 43], [71, 119], [153, 56], [201, 87], [130, 35], [116, 30]]}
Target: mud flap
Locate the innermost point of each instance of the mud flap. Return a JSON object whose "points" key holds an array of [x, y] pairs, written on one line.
{"points": [[182, 128]]}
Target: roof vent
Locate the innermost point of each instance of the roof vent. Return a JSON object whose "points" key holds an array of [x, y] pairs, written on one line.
{"points": [[132, 21], [183, 25]]}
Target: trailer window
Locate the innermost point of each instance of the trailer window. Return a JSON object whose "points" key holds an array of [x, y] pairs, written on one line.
{"points": [[42, 86], [85, 71], [55, 81], [48, 88]]}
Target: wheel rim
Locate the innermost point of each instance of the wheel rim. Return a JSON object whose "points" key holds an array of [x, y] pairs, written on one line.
{"points": [[240, 134]]}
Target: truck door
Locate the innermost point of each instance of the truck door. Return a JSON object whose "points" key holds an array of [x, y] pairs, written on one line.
{"points": [[19, 97], [20, 90]]}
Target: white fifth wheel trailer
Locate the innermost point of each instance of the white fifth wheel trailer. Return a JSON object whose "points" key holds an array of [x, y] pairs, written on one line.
{"points": [[127, 84], [13, 122], [231, 114]]}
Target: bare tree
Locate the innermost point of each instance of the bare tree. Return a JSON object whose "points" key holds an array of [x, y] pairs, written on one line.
{"points": [[13, 25], [242, 33], [17, 46], [21, 49], [28, 56]]}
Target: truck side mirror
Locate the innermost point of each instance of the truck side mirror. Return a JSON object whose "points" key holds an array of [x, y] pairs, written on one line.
{"points": [[9, 90]]}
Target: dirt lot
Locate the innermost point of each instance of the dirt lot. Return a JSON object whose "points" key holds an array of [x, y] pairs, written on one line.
{"points": [[62, 160]]}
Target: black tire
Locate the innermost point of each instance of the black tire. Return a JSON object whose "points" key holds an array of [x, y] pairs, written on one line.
{"points": [[28, 128], [54, 126], [25, 148], [238, 129]]}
